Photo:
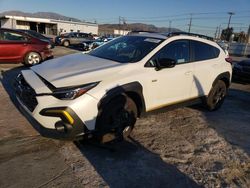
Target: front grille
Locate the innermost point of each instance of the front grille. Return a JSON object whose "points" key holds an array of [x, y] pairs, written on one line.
{"points": [[25, 93]]}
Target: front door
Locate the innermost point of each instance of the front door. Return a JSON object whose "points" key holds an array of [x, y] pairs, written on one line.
{"points": [[169, 85]]}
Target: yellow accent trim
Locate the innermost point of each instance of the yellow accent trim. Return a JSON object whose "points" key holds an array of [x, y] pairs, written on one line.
{"points": [[169, 104], [65, 113]]}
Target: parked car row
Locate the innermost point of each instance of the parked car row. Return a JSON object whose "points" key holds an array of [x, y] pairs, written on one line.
{"points": [[73, 38], [92, 44], [17, 46], [86, 41], [30, 47]]}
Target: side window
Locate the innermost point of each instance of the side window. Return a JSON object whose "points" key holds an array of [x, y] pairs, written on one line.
{"points": [[176, 50], [11, 36], [85, 35], [202, 51], [72, 35]]}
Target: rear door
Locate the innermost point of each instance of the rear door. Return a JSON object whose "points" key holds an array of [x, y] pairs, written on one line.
{"points": [[73, 38], [13, 46], [83, 37], [207, 66]]}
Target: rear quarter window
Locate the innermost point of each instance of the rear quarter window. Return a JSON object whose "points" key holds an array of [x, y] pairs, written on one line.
{"points": [[203, 51]]}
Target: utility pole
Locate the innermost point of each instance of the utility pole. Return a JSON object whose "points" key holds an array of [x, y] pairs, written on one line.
{"points": [[215, 34], [219, 31], [169, 28], [190, 23], [124, 24], [230, 15], [248, 35], [247, 41], [119, 25]]}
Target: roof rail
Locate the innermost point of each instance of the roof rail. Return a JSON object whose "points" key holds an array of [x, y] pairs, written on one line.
{"points": [[170, 34], [141, 31]]}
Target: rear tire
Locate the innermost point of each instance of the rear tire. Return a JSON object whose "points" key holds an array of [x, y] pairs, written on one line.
{"points": [[216, 96], [117, 118], [66, 43], [32, 58]]}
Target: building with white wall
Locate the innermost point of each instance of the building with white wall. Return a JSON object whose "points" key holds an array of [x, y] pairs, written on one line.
{"points": [[121, 32], [47, 26]]}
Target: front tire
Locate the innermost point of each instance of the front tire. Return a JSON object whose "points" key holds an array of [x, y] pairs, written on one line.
{"points": [[117, 118], [32, 58], [216, 96]]}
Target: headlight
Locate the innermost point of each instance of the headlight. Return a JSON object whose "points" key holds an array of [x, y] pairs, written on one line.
{"points": [[70, 94]]}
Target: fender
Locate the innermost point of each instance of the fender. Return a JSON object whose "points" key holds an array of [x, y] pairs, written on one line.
{"points": [[225, 76], [134, 90]]}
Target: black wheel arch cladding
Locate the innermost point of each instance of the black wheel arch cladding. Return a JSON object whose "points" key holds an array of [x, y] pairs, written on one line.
{"points": [[134, 90], [225, 76]]}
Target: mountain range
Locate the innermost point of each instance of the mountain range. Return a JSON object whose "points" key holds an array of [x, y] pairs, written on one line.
{"points": [[102, 27], [48, 15]]}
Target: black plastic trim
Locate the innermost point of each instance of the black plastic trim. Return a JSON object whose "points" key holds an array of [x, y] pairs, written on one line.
{"points": [[128, 89], [222, 76], [189, 102], [71, 132]]}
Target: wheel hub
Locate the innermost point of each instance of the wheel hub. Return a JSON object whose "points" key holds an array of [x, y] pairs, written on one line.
{"points": [[33, 59], [219, 95]]}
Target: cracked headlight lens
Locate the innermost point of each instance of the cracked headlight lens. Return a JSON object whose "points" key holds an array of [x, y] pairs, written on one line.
{"points": [[73, 93]]}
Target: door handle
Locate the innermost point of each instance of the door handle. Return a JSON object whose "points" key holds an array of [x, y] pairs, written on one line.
{"points": [[188, 72], [25, 44]]}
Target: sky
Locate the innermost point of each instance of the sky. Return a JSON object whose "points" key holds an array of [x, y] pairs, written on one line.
{"points": [[207, 15]]}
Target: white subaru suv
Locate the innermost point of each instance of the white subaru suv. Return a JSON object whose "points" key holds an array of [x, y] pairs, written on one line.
{"points": [[105, 91]]}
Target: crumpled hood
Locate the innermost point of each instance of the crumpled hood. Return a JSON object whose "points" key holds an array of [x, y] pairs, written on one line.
{"points": [[76, 69]]}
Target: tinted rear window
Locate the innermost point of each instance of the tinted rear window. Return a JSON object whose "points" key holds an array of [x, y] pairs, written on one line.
{"points": [[202, 51]]}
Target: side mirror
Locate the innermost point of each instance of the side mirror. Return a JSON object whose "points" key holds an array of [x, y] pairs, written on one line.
{"points": [[165, 63]]}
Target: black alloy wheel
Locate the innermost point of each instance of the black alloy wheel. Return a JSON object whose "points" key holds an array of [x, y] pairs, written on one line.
{"points": [[216, 96], [117, 118]]}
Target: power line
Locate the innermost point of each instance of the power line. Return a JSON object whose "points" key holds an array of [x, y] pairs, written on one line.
{"points": [[184, 16]]}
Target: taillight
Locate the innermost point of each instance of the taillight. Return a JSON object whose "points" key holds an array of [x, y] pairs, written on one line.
{"points": [[48, 46], [229, 60]]}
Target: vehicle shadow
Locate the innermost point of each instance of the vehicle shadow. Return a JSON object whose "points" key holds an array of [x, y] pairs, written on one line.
{"points": [[231, 121], [129, 164]]}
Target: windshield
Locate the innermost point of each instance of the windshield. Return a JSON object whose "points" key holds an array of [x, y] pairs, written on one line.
{"points": [[127, 49]]}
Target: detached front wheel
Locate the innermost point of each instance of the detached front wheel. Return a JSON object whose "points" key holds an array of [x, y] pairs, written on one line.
{"points": [[117, 119], [216, 96]]}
